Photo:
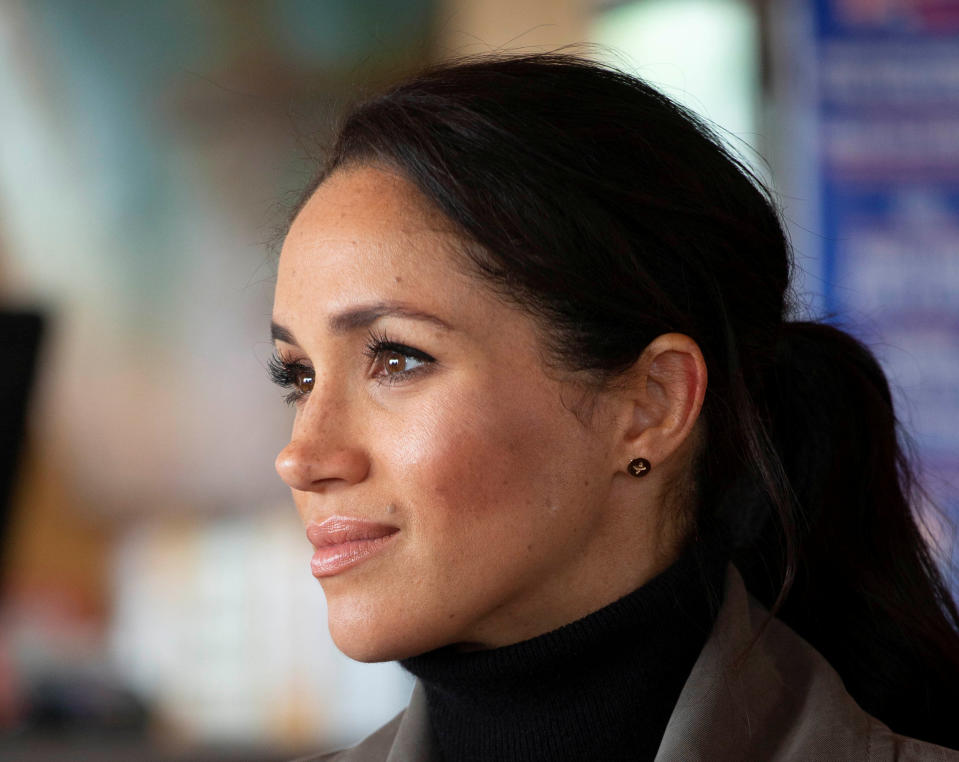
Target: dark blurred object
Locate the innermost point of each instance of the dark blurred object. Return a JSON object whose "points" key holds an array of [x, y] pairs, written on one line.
{"points": [[20, 334], [86, 708]]}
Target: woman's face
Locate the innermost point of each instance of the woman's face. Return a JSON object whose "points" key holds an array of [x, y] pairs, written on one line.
{"points": [[453, 494]]}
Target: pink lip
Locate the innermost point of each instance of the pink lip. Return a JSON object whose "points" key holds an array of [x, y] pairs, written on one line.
{"points": [[341, 543]]}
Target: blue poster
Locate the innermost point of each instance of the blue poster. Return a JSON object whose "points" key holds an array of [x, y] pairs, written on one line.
{"points": [[887, 116]]}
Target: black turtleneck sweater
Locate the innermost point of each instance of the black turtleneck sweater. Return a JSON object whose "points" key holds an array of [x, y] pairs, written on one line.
{"points": [[600, 688]]}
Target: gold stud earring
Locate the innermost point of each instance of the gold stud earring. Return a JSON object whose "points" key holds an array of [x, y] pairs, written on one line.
{"points": [[638, 467]]}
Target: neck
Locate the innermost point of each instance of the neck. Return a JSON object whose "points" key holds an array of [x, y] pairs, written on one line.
{"points": [[602, 687]]}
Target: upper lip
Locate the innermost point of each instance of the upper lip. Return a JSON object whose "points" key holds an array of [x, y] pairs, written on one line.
{"points": [[340, 529]]}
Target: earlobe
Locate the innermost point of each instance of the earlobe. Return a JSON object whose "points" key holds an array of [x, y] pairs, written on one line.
{"points": [[666, 393]]}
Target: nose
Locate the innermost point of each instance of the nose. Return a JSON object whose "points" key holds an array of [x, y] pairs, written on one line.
{"points": [[317, 459]]}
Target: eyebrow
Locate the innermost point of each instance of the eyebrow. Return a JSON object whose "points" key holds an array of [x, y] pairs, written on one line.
{"points": [[362, 317], [280, 333]]}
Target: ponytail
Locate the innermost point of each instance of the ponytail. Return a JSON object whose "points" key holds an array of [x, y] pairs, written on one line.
{"points": [[866, 591]]}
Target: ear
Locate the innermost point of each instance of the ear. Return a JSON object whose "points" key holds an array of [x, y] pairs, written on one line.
{"points": [[663, 399]]}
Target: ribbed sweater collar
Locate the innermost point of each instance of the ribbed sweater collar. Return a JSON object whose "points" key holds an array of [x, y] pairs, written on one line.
{"points": [[602, 687]]}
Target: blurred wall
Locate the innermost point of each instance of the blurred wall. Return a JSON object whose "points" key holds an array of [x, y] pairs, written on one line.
{"points": [[150, 152], [469, 27]]}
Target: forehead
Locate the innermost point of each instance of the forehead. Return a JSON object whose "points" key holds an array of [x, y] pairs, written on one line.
{"points": [[363, 224], [376, 195]]}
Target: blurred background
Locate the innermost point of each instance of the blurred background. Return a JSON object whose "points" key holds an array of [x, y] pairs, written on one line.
{"points": [[156, 598]]}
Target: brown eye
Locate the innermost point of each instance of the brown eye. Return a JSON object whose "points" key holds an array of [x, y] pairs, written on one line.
{"points": [[393, 363], [303, 381]]}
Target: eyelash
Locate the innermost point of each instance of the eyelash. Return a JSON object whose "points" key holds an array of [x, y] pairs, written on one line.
{"points": [[287, 373]]}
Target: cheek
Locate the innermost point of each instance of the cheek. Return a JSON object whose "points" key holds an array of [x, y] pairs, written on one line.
{"points": [[473, 459]]}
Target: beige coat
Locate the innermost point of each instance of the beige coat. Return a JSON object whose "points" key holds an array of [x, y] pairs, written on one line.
{"points": [[783, 702]]}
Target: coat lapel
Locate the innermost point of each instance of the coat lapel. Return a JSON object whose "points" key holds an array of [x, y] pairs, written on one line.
{"points": [[414, 739], [762, 694]]}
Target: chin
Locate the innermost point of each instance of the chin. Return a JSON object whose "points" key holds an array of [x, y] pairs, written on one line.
{"points": [[373, 636], [371, 644]]}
